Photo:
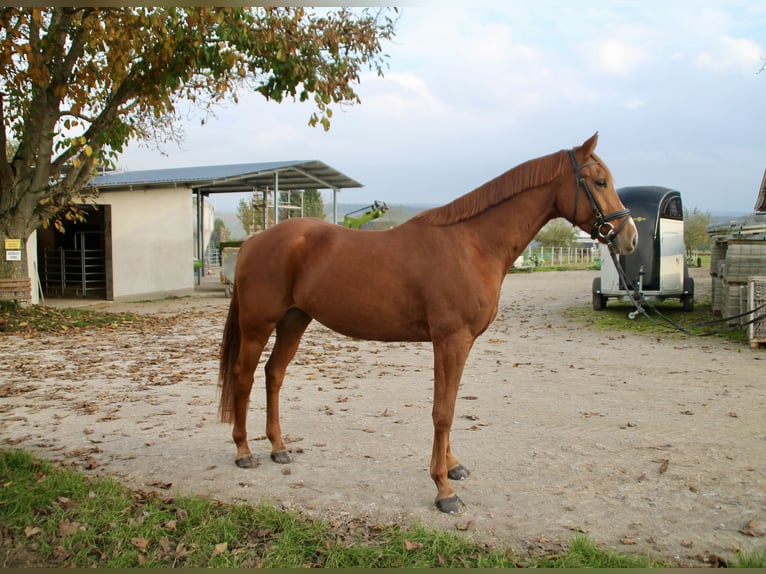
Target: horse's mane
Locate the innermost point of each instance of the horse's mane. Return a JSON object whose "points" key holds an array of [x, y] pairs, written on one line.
{"points": [[530, 174]]}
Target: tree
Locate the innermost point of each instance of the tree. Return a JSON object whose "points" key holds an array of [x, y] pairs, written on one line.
{"points": [[76, 84], [250, 211], [313, 206], [696, 237], [220, 232], [557, 233], [250, 214]]}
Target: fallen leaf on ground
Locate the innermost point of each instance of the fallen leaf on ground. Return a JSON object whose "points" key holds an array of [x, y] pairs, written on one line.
{"points": [[140, 544], [751, 529], [627, 541], [67, 528], [412, 545], [220, 549]]}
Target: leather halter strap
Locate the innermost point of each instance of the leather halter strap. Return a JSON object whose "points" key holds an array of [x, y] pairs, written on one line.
{"points": [[602, 229]]}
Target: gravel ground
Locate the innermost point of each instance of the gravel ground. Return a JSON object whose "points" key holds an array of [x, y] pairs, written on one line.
{"points": [[645, 443]]}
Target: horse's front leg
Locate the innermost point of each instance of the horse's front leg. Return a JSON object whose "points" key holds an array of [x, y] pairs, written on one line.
{"points": [[449, 360]]}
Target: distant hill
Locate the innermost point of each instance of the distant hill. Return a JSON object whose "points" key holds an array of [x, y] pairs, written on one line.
{"points": [[396, 214], [726, 216]]}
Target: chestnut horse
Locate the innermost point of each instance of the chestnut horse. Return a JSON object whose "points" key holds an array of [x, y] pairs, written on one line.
{"points": [[435, 278]]}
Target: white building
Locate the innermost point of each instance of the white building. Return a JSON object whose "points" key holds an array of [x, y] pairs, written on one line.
{"points": [[136, 242]]}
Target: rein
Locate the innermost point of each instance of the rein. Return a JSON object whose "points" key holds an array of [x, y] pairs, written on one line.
{"points": [[602, 229], [630, 289]]}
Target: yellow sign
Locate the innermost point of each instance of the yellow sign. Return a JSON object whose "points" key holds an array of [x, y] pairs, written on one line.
{"points": [[11, 244]]}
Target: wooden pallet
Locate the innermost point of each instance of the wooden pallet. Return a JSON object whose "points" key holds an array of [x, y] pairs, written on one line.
{"points": [[16, 289]]}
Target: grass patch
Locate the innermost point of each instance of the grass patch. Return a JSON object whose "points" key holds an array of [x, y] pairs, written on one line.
{"points": [[580, 266], [56, 517], [36, 318], [615, 317]]}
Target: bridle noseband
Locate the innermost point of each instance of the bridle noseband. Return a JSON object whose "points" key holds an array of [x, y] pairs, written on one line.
{"points": [[602, 229]]}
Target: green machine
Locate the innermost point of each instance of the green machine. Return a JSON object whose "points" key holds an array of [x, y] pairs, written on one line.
{"points": [[366, 214]]}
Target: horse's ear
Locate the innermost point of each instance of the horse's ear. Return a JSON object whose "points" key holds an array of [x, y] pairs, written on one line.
{"points": [[589, 145]]}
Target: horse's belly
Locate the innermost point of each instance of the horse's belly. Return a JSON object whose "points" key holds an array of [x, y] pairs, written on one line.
{"points": [[374, 327]]}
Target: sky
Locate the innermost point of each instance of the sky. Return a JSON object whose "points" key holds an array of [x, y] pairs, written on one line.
{"points": [[674, 89]]}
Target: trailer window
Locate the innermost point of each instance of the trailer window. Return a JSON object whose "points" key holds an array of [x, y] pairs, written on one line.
{"points": [[672, 209]]}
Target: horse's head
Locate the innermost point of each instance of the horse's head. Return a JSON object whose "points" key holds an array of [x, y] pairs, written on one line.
{"points": [[591, 202]]}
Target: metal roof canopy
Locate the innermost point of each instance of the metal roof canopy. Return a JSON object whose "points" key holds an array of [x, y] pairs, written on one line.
{"points": [[233, 178]]}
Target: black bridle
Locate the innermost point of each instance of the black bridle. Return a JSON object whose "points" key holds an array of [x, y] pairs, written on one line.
{"points": [[602, 229]]}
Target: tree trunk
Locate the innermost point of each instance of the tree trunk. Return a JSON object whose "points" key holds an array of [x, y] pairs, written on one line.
{"points": [[18, 224], [10, 267]]}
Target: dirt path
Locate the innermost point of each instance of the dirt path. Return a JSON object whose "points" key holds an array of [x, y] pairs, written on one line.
{"points": [[646, 444]]}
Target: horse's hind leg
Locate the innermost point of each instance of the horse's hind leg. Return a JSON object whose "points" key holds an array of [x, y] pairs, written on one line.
{"points": [[250, 350], [289, 332]]}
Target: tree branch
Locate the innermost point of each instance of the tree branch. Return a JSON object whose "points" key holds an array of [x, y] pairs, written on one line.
{"points": [[6, 172]]}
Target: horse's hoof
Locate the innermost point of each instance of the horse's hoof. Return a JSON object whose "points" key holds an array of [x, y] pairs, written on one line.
{"points": [[458, 473], [247, 461], [281, 457], [450, 505]]}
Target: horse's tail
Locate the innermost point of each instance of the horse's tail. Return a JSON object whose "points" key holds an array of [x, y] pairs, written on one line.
{"points": [[229, 353]]}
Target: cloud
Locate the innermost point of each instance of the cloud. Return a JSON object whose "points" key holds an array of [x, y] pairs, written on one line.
{"points": [[634, 104], [475, 88], [618, 58], [401, 95], [732, 54]]}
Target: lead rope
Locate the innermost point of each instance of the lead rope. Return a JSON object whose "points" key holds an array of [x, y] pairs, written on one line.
{"points": [[636, 300]]}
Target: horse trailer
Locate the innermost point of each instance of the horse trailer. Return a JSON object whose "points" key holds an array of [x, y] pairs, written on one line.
{"points": [[657, 268]]}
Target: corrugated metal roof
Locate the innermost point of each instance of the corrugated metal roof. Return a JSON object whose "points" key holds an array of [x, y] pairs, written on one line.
{"points": [[287, 175]]}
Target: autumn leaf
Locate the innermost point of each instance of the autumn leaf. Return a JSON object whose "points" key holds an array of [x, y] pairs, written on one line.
{"points": [[67, 528], [751, 529], [220, 549], [31, 531], [170, 525], [410, 545], [627, 541], [140, 544]]}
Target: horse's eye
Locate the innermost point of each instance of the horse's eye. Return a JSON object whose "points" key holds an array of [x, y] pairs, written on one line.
{"points": [[601, 182]]}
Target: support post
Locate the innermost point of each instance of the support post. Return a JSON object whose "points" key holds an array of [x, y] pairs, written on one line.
{"points": [[335, 205], [276, 198]]}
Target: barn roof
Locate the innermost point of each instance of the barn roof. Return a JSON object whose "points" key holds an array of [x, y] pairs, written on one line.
{"points": [[285, 175]]}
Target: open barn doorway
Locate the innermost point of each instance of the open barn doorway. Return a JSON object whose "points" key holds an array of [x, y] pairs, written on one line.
{"points": [[78, 262]]}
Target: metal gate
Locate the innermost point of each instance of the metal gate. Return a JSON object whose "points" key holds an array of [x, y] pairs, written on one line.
{"points": [[77, 272]]}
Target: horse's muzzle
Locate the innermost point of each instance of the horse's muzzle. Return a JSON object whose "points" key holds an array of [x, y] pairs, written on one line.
{"points": [[626, 240]]}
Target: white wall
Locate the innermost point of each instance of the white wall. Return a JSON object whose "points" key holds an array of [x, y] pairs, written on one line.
{"points": [[152, 249], [31, 258]]}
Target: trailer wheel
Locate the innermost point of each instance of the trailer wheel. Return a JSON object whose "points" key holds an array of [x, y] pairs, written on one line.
{"points": [[599, 301], [688, 298]]}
